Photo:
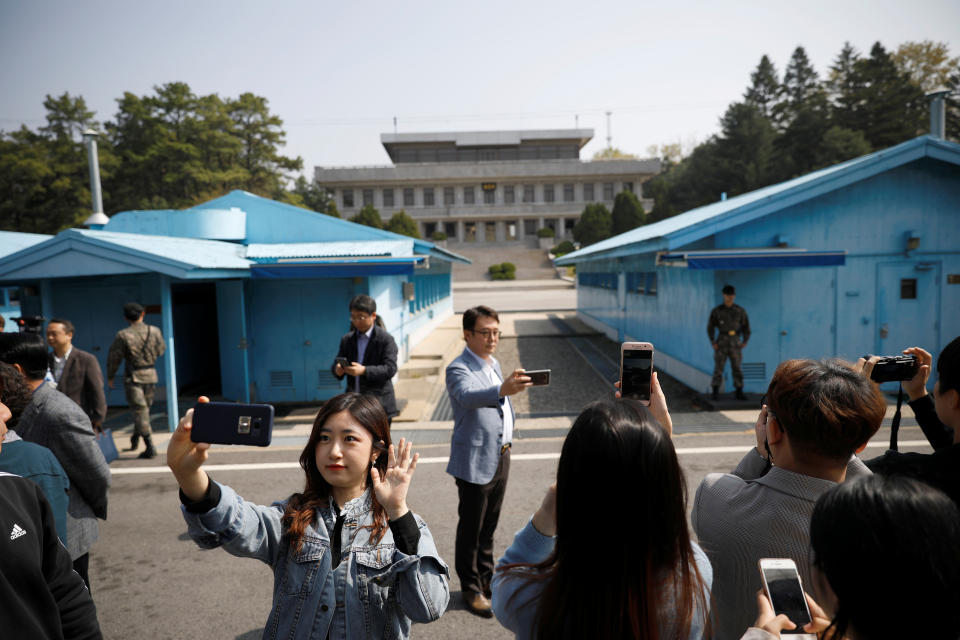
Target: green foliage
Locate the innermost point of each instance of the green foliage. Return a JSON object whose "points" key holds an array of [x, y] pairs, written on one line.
{"points": [[308, 194], [612, 153], [503, 271], [594, 225], [438, 236], [563, 248], [495, 269], [369, 216], [403, 224], [546, 232], [627, 213], [764, 88]]}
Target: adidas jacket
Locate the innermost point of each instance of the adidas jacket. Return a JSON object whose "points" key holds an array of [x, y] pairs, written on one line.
{"points": [[37, 579]]}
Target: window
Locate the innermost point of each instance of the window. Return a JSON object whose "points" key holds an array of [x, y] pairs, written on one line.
{"points": [[511, 229], [428, 196], [348, 198], [491, 231], [367, 197], [568, 193], [529, 227], [548, 193], [489, 196], [450, 228], [652, 284], [448, 197], [508, 194], [608, 191], [428, 229], [588, 192], [470, 231], [528, 193], [388, 197], [908, 289], [486, 155], [408, 197], [599, 280], [468, 195], [628, 186]]}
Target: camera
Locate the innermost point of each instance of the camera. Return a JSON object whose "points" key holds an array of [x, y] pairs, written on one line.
{"points": [[894, 368], [30, 324]]}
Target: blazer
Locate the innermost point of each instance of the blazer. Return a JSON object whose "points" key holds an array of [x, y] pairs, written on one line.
{"points": [[746, 515], [82, 382], [53, 420], [477, 420], [380, 359]]}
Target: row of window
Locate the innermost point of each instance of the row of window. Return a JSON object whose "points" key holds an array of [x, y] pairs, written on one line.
{"points": [[511, 193], [642, 283], [428, 289], [484, 154]]}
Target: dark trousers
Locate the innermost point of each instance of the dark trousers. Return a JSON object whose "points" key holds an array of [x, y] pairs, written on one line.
{"points": [[82, 566], [727, 348], [479, 513]]}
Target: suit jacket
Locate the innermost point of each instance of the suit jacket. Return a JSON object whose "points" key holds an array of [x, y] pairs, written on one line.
{"points": [[746, 515], [53, 420], [82, 382], [380, 359], [477, 420]]}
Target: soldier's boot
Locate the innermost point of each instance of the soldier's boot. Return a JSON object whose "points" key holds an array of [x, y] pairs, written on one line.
{"points": [[150, 452], [134, 442], [716, 393], [739, 394]]}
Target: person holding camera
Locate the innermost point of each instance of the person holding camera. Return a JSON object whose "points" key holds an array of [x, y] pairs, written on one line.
{"points": [[939, 418], [815, 415], [349, 558]]}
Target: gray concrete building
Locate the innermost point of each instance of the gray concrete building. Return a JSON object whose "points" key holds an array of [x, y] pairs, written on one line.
{"points": [[486, 186]]}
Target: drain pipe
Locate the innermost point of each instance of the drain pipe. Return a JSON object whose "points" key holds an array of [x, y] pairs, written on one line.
{"points": [[98, 219]]}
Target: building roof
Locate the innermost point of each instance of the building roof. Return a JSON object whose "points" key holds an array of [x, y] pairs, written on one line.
{"points": [[693, 225], [13, 241], [487, 138], [392, 248]]}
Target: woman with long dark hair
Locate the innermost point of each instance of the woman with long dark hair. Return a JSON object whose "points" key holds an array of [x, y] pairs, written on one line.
{"points": [[350, 560], [608, 553]]}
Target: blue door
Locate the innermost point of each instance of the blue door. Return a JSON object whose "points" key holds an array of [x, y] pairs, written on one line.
{"points": [[807, 313], [908, 306]]}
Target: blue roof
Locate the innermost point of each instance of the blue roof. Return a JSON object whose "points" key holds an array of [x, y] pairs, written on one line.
{"points": [[393, 248], [13, 241], [688, 227]]}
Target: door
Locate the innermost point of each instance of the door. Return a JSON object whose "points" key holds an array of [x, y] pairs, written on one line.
{"points": [[807, 313], [908, 306]]}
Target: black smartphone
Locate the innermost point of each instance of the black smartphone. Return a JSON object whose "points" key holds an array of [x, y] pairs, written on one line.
{"points": [[232, 423], [636, 367], [538, 377], [343, 362]]}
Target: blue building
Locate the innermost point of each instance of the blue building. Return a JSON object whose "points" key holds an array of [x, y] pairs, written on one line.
{"points": [[251, 294], [861, 257]]}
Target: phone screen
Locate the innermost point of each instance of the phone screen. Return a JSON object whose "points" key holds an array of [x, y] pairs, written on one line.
{"points": [[786, 595], [635, 376]]}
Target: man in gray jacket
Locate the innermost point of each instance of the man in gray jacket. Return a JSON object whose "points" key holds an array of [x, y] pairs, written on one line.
{"points": [[53, 420], [480, 449]]}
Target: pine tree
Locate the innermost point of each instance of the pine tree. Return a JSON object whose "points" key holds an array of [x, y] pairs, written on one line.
{"points": [[627, 213], [403, 224], [369, 216], [764, 89], [594, 224], [889, 108], [844, 88]]}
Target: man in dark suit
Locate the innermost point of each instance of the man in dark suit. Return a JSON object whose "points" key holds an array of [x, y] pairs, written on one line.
{"points": [[371, 355], [77, 373], [480, 449], [53, 420]]}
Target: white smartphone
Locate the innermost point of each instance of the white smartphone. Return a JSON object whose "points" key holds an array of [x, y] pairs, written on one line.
{"points": [[636, 369], [785, 591]]}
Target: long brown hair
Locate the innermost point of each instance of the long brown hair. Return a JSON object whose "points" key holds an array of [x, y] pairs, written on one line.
{"points": [[623, 561], [302, 507]]}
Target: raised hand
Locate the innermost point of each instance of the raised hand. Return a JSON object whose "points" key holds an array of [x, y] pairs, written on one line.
{"points": [[391, 486], [184, 457]]}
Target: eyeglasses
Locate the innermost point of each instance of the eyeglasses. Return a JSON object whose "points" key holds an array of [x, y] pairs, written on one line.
{"points": [[488, 333]]}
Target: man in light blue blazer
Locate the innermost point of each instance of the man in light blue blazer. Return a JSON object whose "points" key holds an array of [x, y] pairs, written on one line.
{"points": [[483, 422]]}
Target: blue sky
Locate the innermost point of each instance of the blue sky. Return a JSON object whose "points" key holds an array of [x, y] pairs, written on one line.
{"points": [[337, 73]]}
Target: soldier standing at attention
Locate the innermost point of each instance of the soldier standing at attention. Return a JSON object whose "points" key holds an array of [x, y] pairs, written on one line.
{"points": [[139, 345], [733, 331]]}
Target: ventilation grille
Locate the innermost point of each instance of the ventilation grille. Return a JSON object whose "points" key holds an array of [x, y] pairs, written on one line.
{"points": [[281, 378], [754, 370], [326, 379]]}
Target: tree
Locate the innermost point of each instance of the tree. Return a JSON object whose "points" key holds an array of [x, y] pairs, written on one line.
{"points": [[403, 224], [764, 89], [369, 216], [927, 64], [261, 134], [627, 213], [594, 224], [612, 153], [844, 88], [889, 109], [801, 91], [311, 195]]}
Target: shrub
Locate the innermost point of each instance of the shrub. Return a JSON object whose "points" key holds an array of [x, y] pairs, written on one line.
{"points": [[495, 269], [509, 266], [546, 232], [438, 236], [563, 248], [504, 271]]}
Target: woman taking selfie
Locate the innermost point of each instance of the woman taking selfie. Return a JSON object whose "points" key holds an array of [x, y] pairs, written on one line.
{"points": [[608, 553], [349, 559]]}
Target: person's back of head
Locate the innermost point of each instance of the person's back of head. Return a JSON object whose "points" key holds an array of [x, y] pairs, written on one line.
{"points": [[887, 547], [14, 392], [623, 554], [826, 409], [132, 311], [27, 351]]}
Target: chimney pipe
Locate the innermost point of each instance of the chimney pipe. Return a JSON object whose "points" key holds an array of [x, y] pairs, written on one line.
{"points": [[938, 112], [98, 219]]}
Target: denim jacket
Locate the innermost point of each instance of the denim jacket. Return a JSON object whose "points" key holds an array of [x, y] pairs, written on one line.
{"points": [[385, 589]]}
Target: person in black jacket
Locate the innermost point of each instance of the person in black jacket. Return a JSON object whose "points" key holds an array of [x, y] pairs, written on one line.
{"points": [[371, 354], [938, 416], [42, 596]]}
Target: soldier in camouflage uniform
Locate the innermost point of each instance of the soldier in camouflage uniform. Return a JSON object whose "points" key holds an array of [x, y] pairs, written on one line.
{"points": [[733, 331], [139, 345]]}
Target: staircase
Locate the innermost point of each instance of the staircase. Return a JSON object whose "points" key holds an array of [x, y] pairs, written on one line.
{"points": [[532, 263]]}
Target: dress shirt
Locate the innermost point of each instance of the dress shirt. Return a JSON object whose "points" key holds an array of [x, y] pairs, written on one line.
{"points": [[58, 364], [363, 339], [490, 370]]}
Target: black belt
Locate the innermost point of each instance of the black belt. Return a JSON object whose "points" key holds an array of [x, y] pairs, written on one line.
{"points": [[141, 368], [505, 448]]}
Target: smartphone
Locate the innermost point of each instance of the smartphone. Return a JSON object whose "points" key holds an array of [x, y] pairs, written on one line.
{"points": [[539, 377], [343, 362], [782, 584], [232, 423], [636, 367]]}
